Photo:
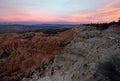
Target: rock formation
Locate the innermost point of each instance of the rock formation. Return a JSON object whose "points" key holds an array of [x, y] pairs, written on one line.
{"points": [[81, 59], [78, 54], [22, 54]]}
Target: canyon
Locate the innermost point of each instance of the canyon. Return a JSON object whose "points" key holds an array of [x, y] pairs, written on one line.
{"points": [[71, 55]]}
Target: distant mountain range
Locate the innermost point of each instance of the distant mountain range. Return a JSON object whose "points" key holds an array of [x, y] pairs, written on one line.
{"points": [[34, 23], [21, 28]]}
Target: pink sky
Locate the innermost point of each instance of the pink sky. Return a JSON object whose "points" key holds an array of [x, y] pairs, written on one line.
{"points": [[59, 11]]}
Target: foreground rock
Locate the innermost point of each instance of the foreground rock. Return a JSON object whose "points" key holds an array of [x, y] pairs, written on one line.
{"points": [[79, 61]]}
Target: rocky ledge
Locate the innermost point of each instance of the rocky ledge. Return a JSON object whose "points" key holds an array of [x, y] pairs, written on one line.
{"points": [[93, 55]]}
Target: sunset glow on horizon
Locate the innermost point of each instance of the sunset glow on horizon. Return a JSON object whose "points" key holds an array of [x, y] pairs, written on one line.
{"points": [[75, 11]]}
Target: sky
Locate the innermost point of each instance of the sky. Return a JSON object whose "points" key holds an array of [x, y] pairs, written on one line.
{"points": [[74, 11]]}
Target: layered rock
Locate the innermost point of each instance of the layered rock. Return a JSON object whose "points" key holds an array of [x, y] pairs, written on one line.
{"points": [[79, 61], [21, 55]]}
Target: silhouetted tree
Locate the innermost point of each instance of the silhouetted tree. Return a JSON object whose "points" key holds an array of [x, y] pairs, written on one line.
{"points": [[119, 21]]}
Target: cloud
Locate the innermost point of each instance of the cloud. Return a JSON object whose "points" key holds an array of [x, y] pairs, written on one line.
{"points": [[104, 13]]}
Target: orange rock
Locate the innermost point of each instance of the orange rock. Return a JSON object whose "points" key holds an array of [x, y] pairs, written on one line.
{"points": [[21, 53]]}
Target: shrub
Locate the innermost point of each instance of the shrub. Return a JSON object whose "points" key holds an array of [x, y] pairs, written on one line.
{"points": [[110, 68]]}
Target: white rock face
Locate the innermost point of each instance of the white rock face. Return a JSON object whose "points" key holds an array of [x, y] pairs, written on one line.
{"points": [[79, 60]]}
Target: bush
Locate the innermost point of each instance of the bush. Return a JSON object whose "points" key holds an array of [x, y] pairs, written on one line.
{"points": [[110, 68]]}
